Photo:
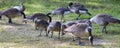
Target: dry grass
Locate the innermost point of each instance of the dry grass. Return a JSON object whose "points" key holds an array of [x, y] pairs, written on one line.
{"points": [[20, 35]]}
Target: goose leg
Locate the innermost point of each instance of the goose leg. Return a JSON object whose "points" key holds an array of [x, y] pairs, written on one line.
{"points": [[10, 20], [78, 17], [36, 27], [59, 35], [62, 33], [46, 32], [105, 30], [40, 33], [62, 18], [51, 34], [79, 41], [73, 39]]}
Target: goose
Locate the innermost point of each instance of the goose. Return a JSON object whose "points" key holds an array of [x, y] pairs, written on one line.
{"points": [[78, 9], [103, 20], [11, 13], [80, 30], [54, 26], [42, 25], [60, 11]]}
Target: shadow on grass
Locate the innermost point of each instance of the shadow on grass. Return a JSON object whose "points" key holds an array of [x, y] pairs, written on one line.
{"points": [[13, 24], [75, 43], [114, 32], [97, 46]]}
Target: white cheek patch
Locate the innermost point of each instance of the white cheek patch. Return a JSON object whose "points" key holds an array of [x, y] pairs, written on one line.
{"points": [[18, 8], [81, 11], [89, 37], [91, 20], [86, 30], [66, 12]]}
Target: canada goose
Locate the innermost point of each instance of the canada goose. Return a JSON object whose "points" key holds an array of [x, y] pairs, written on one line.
{"points": [[42, 25], [55, 26], [78, 9], [39, 16], [70, 23], [11, 13], [60, 11], [80, 30], [104, 20]]}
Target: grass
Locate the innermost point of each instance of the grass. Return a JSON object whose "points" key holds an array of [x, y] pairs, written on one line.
{"points": [[20, 35]]}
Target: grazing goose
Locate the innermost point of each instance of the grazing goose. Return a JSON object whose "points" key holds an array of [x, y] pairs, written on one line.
{"points": [[42, 25], [55, 26], [104, 20], [61, 12], [78, 9], [80, 30], [11, 13]]}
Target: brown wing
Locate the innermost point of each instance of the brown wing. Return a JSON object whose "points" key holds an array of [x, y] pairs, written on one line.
{"points": [[76, 28], [108, 18], [10, 11], [77, 6]]}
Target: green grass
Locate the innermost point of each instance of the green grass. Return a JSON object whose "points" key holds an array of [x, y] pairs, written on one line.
{"points": [[20, 35]]}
